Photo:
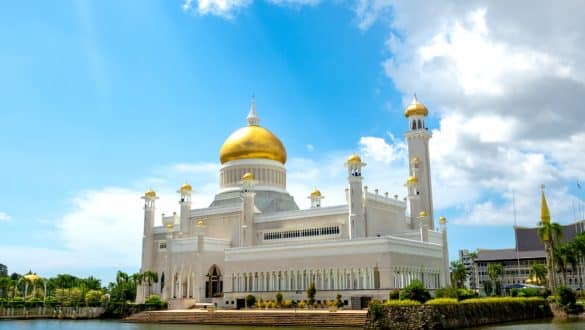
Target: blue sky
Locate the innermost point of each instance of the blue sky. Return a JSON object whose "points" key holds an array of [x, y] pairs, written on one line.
{"points": [[101, 100]]}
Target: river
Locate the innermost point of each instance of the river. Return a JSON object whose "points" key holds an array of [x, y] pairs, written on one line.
{"points": [[115, 325]]}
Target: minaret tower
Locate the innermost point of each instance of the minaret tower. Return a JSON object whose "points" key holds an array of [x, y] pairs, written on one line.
{"points": [[185, 203], [148, 236], [445, 279], [248, 208], [419, 181], [316, 198], [357, 223]]}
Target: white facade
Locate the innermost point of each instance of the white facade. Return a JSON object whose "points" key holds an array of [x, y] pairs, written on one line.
{"points": [[254, 239]]}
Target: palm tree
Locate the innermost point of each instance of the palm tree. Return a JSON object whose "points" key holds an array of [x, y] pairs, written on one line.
{"points": [[458, 274], [549, 233], [495, 271], [538, 271], [150, 277]]}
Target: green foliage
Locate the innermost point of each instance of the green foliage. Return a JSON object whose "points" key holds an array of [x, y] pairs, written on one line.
{"points": [[338, 301], [279, 299], [415, 291], [311, 291], [458, 273], [552, 299], [286, 303], [376, 309], [566, 296], [405, 302], [250, 300], [442, 301], [153, 299], [459, 294], [394, 294]]}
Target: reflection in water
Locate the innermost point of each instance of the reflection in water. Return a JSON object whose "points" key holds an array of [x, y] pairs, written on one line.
{"points": [[539, 325], [114, 325]]}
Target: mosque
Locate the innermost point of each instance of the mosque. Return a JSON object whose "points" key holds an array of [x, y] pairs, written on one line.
{"points": [[254, 239]]}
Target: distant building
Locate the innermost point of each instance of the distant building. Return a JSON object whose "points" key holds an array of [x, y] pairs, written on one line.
{"points": [[466, 258], [517, 262], [3, 270]]}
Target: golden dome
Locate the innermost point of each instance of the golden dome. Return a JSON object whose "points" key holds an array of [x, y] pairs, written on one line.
{"points": [[442, 220], [416, 108], [411, 180], [354, 159], [186, 187], [252, 142], [422, 214], [150, 193], [315, 193], [32, 277], [248, 176]]}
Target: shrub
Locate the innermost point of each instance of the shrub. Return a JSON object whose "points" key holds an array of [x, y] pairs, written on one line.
{"points": [[279, 299], [446, 293], [302, 304], [415, 291], [568, 300], [552, 299], [286, 303], [376, 309], [566, 296], [394, 294], [250, 300], [442, 301], [338, 301], [463, 294], [405, 302]]}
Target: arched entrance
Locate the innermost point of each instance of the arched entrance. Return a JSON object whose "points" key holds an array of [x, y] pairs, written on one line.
{"points": [[214, 284]]}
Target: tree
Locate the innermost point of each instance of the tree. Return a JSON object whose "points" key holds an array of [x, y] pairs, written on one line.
{"points": [[311, 291], [495, 271], [149, 277], [458, 274], [538, 271], [415, 291]]}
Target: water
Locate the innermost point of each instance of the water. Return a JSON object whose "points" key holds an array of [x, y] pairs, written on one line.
{"points": [[538, 325], [115, 325]]}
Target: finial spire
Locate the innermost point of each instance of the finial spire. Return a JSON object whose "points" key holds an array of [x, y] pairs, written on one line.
{"points": [[252, 118], [544, 212]]}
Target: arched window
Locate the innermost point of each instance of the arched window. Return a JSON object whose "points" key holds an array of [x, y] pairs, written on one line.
{"points": [[214, 284]]}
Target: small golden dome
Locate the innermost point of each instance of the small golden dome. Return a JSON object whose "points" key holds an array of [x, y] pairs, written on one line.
{"points": [[248, 177], [186, 187], [422, 214], [315, 193], [252, 142], [150, 193], [411, 180], [416, 108], [32, 277], [354, 159], [442, 220]]}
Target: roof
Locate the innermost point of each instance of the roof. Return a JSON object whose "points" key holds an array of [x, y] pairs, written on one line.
{"points": [[507, 254], [527, 238]]}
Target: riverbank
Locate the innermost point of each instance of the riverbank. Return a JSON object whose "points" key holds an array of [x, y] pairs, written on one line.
{"points": [[51, 313], [316, 318]]}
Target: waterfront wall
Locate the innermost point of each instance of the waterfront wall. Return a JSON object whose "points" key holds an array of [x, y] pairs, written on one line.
{"points": [[456, 316], [51, 312]]}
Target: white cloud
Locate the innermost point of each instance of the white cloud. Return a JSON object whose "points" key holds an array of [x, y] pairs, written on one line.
{"points": [[4, 216], [226, 8], [506, 85], [310, 147]]}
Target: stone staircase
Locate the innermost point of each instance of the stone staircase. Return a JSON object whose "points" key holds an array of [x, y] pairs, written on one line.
{"points": [[262, 318]]}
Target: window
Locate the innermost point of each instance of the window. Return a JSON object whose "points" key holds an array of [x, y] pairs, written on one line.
{"points": [[162, 245], [309, 232]]}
